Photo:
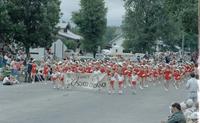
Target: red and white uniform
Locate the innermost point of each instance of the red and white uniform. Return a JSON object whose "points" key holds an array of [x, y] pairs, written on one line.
{"points": [[134, 79], [112, 81], [167, 74], [121, 81], [54, 77], [34, 68], [177, 75], [45, 70]]}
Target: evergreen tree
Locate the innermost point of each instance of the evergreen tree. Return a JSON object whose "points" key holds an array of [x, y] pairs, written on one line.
{"points": [[91, 20]]}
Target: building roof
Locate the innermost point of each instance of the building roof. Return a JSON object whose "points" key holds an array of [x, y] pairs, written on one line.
{"points": [[70, 35], [116, 38], [67, 34]]}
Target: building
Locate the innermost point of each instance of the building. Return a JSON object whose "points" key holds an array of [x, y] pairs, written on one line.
{"points": [[116, 45], [58, 48]]}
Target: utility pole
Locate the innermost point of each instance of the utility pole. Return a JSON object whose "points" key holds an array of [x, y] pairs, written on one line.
{"points": [[183, 43], [198, 60]]}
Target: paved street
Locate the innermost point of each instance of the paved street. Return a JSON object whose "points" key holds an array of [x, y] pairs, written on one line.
{"points": [[40, 103]]}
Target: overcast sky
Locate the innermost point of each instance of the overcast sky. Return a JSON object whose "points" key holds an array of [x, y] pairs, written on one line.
{"points": [[114, 15]]}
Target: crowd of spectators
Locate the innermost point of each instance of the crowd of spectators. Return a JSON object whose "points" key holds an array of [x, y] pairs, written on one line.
{"points": [[188, 111]]}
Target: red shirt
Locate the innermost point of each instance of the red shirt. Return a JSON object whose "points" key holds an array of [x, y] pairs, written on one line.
{"points": [[33, 70], [167, 74], [155, 73], [45, 69], [124, 70], [177, 75], [102, 69], [141, 73], [129, 73]]}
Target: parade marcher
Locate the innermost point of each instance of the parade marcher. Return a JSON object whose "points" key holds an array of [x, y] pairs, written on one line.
{"points": [[54, 77], [141, 74], [120, 79], [33, 71], [134, 79], [177, 77], [112, 82], [155, 75], [45, 72], [61, 79], [167, 76]]}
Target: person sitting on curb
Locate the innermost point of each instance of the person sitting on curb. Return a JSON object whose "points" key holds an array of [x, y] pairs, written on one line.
{"points": [[177, 116], [8, 80], [193, 118]]}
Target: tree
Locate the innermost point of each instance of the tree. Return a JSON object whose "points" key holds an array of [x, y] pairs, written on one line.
{"points": [[170, 21], [70, 44], [5, 24], [34, 21], [143, 24], [91, 20], [183, 13]]}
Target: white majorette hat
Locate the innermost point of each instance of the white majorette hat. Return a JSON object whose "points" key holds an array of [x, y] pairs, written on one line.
{"points": [[120, 64], [60, 62], [129, 66]]}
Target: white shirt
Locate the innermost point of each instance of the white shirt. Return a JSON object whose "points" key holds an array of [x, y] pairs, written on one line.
{"points": [[6, 79], [120, 78], [6, 57], [113, 78], [192, 85], [134, 77]]}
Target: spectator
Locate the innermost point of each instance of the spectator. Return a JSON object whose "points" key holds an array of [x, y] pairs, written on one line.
{"points": [[194, 118], [5, 59], [28, 71], [167, 59], [192, 87], [189, 103], [196, 107], [177, 116], [190, 109], [183, 106], [8, 80]]}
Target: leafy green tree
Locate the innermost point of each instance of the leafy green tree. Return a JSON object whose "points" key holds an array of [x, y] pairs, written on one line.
{"points": [[142, 24], [91, 20], [5, 24], [172, 21], [70, 44], [34, 21], [185, 13]]}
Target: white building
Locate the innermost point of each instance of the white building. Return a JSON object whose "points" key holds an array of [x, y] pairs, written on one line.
{"points": [[58, 48], [37, 53], [117, 47]]}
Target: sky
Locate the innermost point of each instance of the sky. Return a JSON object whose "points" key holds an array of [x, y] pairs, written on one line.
{"points": [[114, 15]]}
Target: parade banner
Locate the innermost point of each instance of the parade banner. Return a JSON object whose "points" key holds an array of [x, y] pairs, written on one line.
{"points": [[85, 80]]}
